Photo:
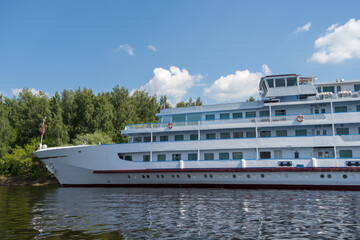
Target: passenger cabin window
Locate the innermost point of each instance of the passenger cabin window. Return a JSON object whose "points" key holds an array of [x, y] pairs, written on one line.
{"points": [[280, 112], [329, 89], [209, 156], [237, 155], [179, 118], [341, 109], [137, 139], [345, 153], [342, 131], [128, 158], [210, 136], [291, 81], [194, 117], [280, 82], [296, 154], [146, 158], [210, 117], [179, 137], [270, 82], [250, 114], [161, 157], [281, 133], [224, 116], [176, 157], [357, 87], [147, 139], [164, 138], [358, 108], [224, 135], [238, 134], [264, 113], [192, 156], [237, 115], [265, 133], [265, 155], [224, 156], [193, 137], [301, 132], [251, 134]]}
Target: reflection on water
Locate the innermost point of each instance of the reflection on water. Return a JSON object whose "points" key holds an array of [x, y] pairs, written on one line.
{"points": [[132, 213]]}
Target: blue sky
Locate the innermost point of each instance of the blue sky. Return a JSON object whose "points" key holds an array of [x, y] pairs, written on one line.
{"points": [[212, 49]]}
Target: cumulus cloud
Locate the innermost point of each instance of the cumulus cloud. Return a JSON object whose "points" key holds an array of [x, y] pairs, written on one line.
{"points": [[126, 48], [174, 83], [338, 43], [152, 48], [17, 91], [237, 86], [304, 28]]}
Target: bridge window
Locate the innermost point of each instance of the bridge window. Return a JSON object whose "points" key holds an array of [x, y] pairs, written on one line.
{"points": [[270, 82], [329, 89], [280, 82], [210, 117], [357, 87], [291, 81], [237, 115], [194, 117], [178, 118], [224, 116]]}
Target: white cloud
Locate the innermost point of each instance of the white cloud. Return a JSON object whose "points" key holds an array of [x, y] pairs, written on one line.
{"points": [[126, 48], [339, 43], [238, 86], [17, 91], [304, 28], [174, 83], [152, 48]]}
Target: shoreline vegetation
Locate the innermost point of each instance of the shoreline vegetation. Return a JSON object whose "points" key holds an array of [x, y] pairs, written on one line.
{"points": [[72, 118]]}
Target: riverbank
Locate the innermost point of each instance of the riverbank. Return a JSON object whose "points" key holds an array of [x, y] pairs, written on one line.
{"points": [[23, 181]]}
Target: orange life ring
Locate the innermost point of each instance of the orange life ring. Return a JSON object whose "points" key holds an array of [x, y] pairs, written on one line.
{"points": [[300, 118], [170, 125]]}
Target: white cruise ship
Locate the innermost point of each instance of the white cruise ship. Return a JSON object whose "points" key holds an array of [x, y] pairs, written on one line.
{"points": [[301, 134]]}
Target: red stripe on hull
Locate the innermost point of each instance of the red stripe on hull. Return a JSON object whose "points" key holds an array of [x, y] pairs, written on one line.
{"points": [[280, 169], [243, 186]]}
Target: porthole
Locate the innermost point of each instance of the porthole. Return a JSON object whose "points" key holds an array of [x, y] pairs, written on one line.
{"points": [[286, 176], [177, 176], [205, 176], [344, 176], [329, 175], [262, 175], [157, 176], [147, 176], [143, 176], [189, 176], [211, 176], [234, 176], [248, 176], [162, 176], [322, 176], [172, 176], [129, 176]]}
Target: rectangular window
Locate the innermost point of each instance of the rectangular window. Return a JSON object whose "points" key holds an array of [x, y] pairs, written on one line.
{"points": [[324, 132], [264, 113], [224, 156], [224, 116], [317, 132], [210, 117], [237, 155], [319, 89], [301, 132], [265, 133], [137, 139], [178, 118], [210, 136], [224, 135], [193, 137], [161, 157], [323, 110], [238, 134], [329, 89], [146, 158], [280, 82], [179, 137], [345, 153], [338, 88], [250, 134], [265, 155], [209, 156], [280, 112], [154, 138], [357, 87], [342, 131], [281, 133], [341, 109], [250, 114], [192, 156], [164, 138], [291, 81], [270, 83], [237, 115], [147, 139], [194, 117], [128, 158], [176, 157], [358, 108]]}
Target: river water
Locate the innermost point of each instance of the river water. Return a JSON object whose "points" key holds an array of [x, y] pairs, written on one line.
{"points": [[171, 213]]}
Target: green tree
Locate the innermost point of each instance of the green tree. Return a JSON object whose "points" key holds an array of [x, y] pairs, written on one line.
{"points": [[6, 134], [190, 103], [251, 99], [164, 103], [93, 138], [56, 131], [146, 106], [104, 113]]}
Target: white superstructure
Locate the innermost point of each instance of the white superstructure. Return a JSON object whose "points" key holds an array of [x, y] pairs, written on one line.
{"points": [[302, 134]]}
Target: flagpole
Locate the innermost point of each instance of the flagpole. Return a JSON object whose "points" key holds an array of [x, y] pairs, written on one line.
{"points": [[43, 131]]}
